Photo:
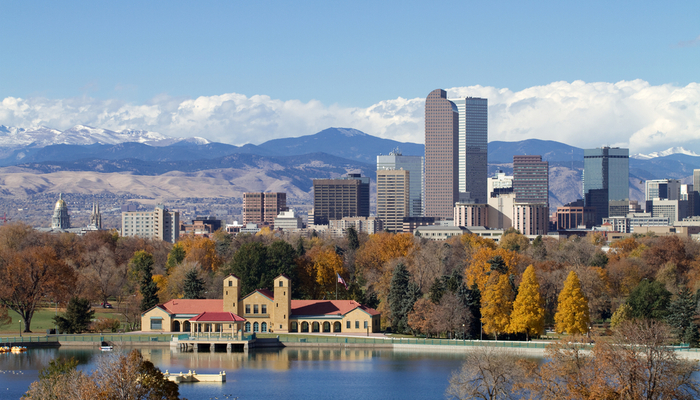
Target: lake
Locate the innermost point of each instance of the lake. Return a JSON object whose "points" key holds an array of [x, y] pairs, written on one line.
{"points": [[264, 374]]}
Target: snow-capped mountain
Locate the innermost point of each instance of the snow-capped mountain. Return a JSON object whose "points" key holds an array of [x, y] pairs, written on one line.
{"points": [[84, 135], [667, 152]]}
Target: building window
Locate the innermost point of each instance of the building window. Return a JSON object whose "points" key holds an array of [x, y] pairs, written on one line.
{"points": [[357, 324], [247, 308], [264, 308], [281, 284], [263, 327], [304, 326], [347, 324], [156, 323], [315, 327], [230, 283], [247, 327], [366, 325], [255, 308], [256, 327]]}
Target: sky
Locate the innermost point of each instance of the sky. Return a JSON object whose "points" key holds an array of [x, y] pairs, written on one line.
{"points": [[583, 73]]}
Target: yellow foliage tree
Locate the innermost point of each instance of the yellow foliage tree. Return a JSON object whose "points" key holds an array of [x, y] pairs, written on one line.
{"points": [[496, 304], [475, 242], [324, 266], [162, 283], [200, 250], [572, 310], [478, 271], [528, 312]]}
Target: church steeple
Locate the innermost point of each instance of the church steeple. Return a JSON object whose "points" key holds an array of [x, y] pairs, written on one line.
{"points": [[95, 217]]}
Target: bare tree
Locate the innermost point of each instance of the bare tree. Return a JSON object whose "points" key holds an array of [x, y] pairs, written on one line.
{"points": [[487, 373]]}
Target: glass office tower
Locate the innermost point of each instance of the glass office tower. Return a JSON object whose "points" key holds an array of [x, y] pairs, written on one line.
{"points": [[472, 147], [414, 164], [605, 178]]}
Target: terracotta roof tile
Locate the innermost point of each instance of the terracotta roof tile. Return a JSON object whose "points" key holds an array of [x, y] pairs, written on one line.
{"points": [[328, 307], [217, 317], [191, 306]]}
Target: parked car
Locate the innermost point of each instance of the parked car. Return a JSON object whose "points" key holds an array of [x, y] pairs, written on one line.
{"points": [[106, 305]]}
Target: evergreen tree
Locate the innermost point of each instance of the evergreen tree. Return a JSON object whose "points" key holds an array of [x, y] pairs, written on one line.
{"points": [[142, 263], [691, 335], [496, 304], [498, 264], [77, 318], [528, 312], [682, 312], [249, 263], [353, 239], [649, 299], [572, 310], [437, 289], [300, 247], [193, 285], [471, 298], [402, 295]]}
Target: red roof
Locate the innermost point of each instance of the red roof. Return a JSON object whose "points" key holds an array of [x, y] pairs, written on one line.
{"points": [[191, 306], [217, 317], [265, 292], [328, 307]]}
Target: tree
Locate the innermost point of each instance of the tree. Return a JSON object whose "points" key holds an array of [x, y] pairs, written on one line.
{"points": [[353, 239], [528, 312], [487, 373], [622, 314], [421, 318], [250, 264], [496, 304], [649, 299], [193, 285], [105, 277], [486, 260], [572, 309], [142, 264], [402, 296], [77, 318], [681, 314], [175, 257]]}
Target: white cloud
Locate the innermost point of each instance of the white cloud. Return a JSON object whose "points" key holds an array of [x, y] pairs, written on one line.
{"points": [[632, 114]]}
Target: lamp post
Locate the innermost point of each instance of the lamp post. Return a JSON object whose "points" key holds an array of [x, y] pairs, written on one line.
{"points": [[481, 331], [464, 334], [20, 328]]}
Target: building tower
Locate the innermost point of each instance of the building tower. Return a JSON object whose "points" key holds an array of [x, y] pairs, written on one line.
{"points": [[531, 180], [232, 295], [413, 164], [336, 199], [283, 303], [60, 219], [263, 207], [95, 218], [393, 197], [441, 155], [472, 151], [605, 178]]}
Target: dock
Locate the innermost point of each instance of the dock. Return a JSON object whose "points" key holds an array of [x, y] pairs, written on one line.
{"points": [[193, 376]]}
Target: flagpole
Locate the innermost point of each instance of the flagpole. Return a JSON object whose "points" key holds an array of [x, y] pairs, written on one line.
{"points": [[336, 289]]}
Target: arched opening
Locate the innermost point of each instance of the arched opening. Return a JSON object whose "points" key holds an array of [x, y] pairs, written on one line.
{"points": [[247, 326], [336, 327], [315, 327], [304, 326], [256, 327], [176, 326], [186, 326], [263, 327], [294, 327], [326, 326]]}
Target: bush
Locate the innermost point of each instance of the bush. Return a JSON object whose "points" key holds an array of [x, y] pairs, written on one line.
{"points": [[106, 324]]}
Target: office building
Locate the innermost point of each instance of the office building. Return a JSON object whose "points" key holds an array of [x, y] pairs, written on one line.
{"points": [[338, 198], [574, 216], [472, 148], [471, 214], [531, 180], [441, 155], [288, 221], [263, 207], [605, 178], [674, 210], [531, 219], [393, 197], [414, 164], [160, 223], [499, 183], [668, 189]]}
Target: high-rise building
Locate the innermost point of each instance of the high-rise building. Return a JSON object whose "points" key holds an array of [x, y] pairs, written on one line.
{"points": [[393, 197], [263, 207], [413, 164], [531, 219], [338, 198], [472, 149], [441, 158], [605, 178], [531, 180], [160, 223], [669, 189]]}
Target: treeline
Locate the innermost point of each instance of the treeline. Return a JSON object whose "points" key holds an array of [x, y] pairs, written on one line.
{"points": [[449, 288]]}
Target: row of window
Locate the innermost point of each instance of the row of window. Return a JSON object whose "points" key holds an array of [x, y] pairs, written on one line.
{"points": [[316, 326], [263, 308], [256, 327]]}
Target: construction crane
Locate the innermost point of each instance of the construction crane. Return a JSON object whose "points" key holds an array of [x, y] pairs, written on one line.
{"points": [[4, 218]]}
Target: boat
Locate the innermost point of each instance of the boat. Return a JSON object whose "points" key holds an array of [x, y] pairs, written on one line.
{"points": [[18, 349]]}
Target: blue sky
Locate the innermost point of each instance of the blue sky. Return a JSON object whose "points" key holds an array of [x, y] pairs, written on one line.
{"points": [[341, 55]]}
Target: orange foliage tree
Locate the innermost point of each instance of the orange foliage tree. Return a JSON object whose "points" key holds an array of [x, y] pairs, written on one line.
{"points": [[201, 250], [479, 269]]}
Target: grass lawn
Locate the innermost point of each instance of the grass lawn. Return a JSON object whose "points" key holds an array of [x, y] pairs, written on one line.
{"points": [[43, 320]]}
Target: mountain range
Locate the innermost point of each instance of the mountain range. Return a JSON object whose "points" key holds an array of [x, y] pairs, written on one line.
{"points": [[38, 157]]}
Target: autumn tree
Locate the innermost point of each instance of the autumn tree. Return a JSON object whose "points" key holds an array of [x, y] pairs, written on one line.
{"points": [[496, 304], [142, 264], [528, 313], [422, 318], [104, 276], [402, 296], [482, 263], [487, 373], [176, 256], [622, 314], [201, 250], [572, 310]]}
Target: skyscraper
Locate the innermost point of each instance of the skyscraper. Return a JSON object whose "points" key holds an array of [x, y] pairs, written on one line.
{"points": [[473, 147], [263, 207], [441, 158], [531, 180], [456, 140], [414, 164], [605, 178], [338, 198], [393, 197]]}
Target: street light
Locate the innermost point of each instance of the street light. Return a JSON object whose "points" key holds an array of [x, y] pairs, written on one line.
{"points": [[20, 328]]}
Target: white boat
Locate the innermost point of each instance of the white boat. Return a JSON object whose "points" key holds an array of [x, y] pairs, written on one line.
{"points": [[106, 348]]}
